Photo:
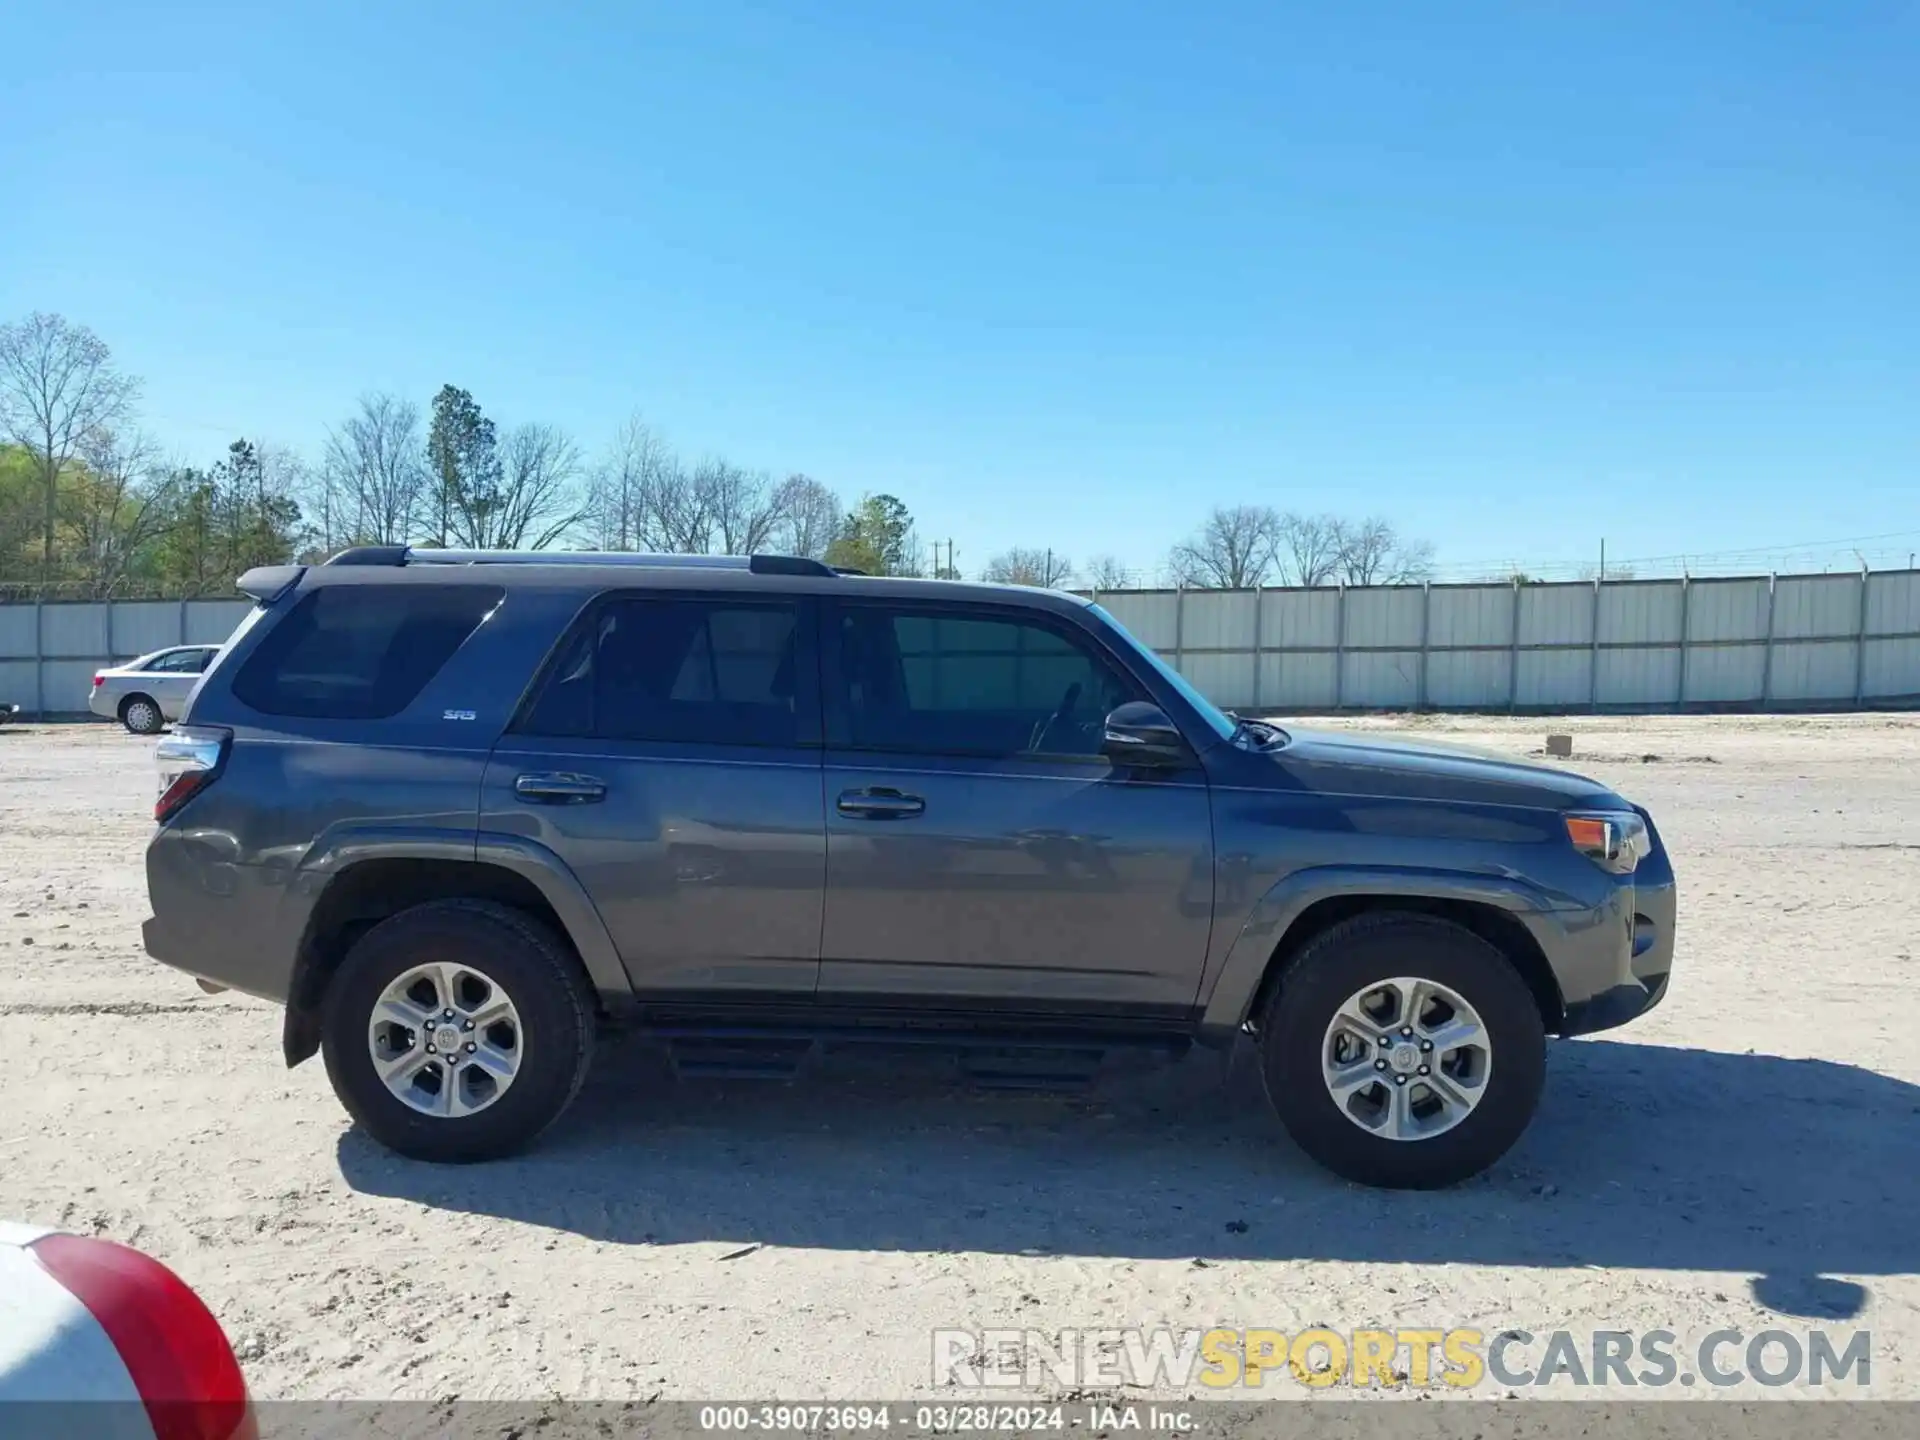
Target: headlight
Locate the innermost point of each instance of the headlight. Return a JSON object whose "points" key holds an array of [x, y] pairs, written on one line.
{"points": [[1615, 842]]}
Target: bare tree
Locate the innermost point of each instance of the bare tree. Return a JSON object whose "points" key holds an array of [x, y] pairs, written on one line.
{"points": [[741, 503], [1105, 572], [1372, 552], [624, 493], [1024, 565], [809, 517], [1307, 549], [536, 502], [58, 385], [1233, 550], [115, 506], [374, 471]]}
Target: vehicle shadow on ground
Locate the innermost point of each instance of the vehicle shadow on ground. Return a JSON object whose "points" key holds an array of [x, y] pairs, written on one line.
{"points": [[1642, 1156]]}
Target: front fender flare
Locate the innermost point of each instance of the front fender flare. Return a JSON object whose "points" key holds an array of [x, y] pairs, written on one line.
{"points": [[1229, 1002]]}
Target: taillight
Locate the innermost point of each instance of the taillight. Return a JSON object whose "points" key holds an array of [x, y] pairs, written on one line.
{"points": [[98, 679], [174, 1351], [189, 761]]}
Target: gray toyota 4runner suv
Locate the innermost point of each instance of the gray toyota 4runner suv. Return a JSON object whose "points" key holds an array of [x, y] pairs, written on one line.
{"points": [[459, 812]]}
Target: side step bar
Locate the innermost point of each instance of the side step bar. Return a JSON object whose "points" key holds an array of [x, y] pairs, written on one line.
{"points": [[994, 1060]]}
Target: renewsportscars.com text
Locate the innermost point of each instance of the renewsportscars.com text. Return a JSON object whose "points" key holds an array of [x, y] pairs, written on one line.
{"points": [[1401, 1358]]}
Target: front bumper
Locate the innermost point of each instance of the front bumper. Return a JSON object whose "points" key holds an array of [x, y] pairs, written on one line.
{"points": [[1644, 914]]}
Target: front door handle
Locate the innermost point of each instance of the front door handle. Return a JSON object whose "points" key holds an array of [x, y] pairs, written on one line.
{"points": [[560, 789], [879, 803]]}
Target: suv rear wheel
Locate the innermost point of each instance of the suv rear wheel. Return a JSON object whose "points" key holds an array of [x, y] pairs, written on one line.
{"points": [[457, 1030], [1402, 1050]]}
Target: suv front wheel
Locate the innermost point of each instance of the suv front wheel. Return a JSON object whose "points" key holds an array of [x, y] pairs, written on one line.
{"points": [[457, 1031], [1403, 1050]]}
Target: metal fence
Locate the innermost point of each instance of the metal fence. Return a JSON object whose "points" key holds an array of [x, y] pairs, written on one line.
{"points": [[49, 650], [1754, 642]]}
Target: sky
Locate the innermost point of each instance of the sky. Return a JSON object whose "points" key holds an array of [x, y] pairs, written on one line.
{"points": [[1519, 278]]}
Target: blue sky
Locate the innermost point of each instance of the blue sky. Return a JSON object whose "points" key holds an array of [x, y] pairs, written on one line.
{"points": [[1517, 277]]}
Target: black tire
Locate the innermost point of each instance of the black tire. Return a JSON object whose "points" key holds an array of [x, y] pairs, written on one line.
{"points": [[527, 960], [141, 715], [1345, 960]]}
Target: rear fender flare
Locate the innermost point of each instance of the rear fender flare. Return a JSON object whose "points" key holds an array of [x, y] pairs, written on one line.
{"points": [[530, 860]]}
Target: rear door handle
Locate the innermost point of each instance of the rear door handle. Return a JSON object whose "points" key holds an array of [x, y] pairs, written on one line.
{"points": [[560, 789], [879, 803]]}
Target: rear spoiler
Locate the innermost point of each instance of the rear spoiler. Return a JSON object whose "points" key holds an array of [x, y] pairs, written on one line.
{"points": [[267, 583]]}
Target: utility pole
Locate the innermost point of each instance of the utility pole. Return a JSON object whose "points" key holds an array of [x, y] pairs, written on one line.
{"points": [[1603, 559]]}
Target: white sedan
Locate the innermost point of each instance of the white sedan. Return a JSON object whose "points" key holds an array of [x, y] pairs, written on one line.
{"points": [[144, 694]]}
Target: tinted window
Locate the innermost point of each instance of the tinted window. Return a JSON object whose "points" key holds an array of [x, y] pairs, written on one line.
{"points": [[713, 671], [951, 684], [360, 652]]}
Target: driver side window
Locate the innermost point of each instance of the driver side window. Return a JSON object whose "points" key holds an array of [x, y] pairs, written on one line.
{"points": [[941, 682]]}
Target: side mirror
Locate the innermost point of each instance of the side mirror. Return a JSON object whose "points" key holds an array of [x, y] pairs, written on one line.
{"points": [[1139, 733]]}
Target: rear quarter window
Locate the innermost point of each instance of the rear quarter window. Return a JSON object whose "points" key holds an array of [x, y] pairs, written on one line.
{"points": [[360, 652]]}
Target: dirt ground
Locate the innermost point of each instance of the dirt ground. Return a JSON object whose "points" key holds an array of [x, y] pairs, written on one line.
{"points": [[1746, 1157]]}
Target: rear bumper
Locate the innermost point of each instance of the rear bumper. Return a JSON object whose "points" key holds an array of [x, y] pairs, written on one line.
{"points": [[217, 920]]}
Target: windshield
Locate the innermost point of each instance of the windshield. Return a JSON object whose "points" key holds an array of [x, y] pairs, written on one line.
{"points": [[1210, 712]]}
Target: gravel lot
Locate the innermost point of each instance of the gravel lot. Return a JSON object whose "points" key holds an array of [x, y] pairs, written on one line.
{"points": [[1748, 1156]]}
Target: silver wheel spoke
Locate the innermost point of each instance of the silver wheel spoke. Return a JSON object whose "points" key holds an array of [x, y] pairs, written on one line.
{"points": [[404, 1023], [1343, 1080], [400, 1070], [1382, 1065], [495, 1061], [497, 1007], [1453, 1035]]}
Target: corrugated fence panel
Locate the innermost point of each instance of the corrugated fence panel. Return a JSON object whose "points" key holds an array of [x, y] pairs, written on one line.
{"points": [[16, 683], [1726, 610], [1299, 619], [1471, 615], [1218, 620], [1892, 669], [1642, 676], [1384, 617], [1297, 682], [16, 630], [1893, 604], [1725, 673], [1468, 679], [1381, 679], [1226, 679], [1641, 612], [143, 625], [67, 684], [210, 622], [1554, 678], [1827, 606], [1555, 615], [1811, 670], [74, 632], [1148, 614]]}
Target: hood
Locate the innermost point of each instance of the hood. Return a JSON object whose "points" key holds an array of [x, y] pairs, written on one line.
{"points": [[1347, 763]]}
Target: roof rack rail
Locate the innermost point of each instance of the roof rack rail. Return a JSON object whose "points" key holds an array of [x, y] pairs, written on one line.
{"points": [[423, 555]]}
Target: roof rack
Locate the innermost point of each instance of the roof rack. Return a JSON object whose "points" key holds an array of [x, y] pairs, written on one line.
{"points": [[412, 555]]}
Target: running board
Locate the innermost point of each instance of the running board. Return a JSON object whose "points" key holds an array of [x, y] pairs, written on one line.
{"points": [[990, 1060]]}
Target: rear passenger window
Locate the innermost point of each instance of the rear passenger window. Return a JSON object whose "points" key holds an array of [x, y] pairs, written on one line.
{"points": [[720, 672], [360, 652]]}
